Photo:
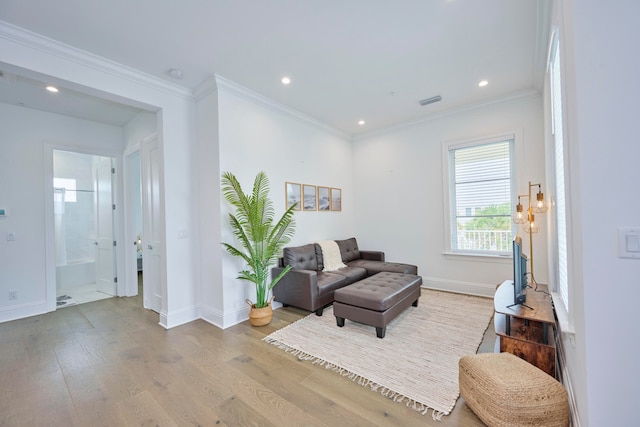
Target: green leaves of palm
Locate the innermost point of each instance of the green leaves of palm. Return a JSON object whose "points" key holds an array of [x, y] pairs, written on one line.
{"points": [[253, 225]]}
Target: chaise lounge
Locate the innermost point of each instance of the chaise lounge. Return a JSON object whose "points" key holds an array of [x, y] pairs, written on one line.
{"points": [[316, 273]]}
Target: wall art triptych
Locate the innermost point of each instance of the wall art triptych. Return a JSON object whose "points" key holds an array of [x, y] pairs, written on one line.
{"points": [[313, 197]]}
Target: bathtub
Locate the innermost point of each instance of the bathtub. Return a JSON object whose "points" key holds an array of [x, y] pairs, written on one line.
{"points": [[75, 273]]}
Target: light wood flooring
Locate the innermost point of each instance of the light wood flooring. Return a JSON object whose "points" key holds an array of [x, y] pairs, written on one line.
{"points": [[109, 363]]}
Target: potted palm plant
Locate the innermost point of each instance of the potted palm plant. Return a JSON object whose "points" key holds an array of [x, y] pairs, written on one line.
{"points": [[261, 239]]}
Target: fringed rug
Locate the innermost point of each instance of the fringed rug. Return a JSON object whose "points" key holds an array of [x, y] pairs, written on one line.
{"points": [[417, 360]]}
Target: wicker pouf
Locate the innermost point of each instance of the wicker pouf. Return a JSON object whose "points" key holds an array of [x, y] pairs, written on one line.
{"points": [[504, 390]]}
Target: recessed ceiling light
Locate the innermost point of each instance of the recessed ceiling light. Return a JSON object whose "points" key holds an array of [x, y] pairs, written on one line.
{"points": [[285, 80], [361, 122], [52, 89], [483, 83]]}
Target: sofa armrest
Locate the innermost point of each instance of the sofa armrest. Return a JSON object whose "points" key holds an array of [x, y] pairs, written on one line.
{"points": [[306, 277], [298, 288], [372, 255]]}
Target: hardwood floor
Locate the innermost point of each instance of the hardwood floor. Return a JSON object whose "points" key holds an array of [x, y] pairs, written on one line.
{"points": [[109, 363]]}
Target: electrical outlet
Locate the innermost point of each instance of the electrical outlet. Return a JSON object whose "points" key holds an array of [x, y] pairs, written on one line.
{"points": [[13, 295]]}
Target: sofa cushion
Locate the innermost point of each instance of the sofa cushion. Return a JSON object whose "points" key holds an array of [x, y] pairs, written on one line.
{"points": [[348, 249], [329, 282], [353, 274], [301, 257], [374, 267], [331, 257]]}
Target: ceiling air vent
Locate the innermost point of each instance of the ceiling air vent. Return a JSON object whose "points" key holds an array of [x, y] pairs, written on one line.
{"points": [[430, 100]]}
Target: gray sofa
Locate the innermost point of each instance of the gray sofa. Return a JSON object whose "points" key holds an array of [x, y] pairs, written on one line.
{"points": [[308, 287]]}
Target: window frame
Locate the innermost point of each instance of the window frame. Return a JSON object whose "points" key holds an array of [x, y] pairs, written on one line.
{"points": [[447, 146], [561, 297]]}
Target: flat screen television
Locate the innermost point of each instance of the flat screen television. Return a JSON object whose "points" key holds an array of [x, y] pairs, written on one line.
{"points": [[519, 273]]}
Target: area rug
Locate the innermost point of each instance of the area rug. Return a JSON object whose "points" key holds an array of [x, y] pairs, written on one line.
{"points": [[417, 360]]}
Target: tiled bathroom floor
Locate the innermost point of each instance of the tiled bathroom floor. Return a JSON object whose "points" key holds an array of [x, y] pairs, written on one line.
{"points": [[79, 295]]}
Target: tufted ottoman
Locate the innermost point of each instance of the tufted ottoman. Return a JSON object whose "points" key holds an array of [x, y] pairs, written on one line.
{"points": [[377, 300], [504, 390]]}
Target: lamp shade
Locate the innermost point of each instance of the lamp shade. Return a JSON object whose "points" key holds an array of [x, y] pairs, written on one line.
{"points": [[540, 206], [531, 227], [518, 216]]}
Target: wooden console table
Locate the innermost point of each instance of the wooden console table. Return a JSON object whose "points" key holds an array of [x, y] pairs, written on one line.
{"points": [[528, 333]]}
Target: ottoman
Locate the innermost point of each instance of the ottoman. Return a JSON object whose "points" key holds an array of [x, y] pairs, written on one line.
{"points": [[376, 300], [504, 390]]}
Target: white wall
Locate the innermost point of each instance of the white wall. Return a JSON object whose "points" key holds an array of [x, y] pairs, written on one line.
{"points": [[209, 266], [602, 66], [254, 135], [140, 127], [399, 192], [22, 184]]}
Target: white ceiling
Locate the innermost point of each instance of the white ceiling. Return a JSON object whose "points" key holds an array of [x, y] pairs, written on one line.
{"points": [[347, 59]]}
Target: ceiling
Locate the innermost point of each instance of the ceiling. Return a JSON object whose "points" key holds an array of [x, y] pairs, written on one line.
{"points": [[370, 60]]}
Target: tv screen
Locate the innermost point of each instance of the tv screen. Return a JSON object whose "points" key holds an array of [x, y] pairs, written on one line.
{"points": [[519, 272]]}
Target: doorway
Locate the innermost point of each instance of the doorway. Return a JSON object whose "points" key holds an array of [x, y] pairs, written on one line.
{"points": [[83, 227], [142, 223], [133, 223]]}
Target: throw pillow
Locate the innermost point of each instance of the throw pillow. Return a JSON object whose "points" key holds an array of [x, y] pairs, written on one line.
{"points": [[349, 248], [331, 257]]}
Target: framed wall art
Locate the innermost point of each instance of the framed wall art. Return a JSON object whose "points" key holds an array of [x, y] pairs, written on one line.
{"points": [[309, 197], [324, 199], [293, 195], [336, 199]]}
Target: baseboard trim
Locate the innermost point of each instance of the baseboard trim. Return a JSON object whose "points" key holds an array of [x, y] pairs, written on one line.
{"points": [[224, 320], [172, 319], [212, 315], [469, 288], [21, 311], [565, 377]]}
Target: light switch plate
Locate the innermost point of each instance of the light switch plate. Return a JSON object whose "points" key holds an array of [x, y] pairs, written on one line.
{"points": [[629, 242]]}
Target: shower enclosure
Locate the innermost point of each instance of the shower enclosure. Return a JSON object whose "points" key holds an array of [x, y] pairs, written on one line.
{"points": [[79, 187]]}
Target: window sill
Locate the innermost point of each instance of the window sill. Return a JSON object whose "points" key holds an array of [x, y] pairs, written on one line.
{"points": [[564, 322], [478, 257]]}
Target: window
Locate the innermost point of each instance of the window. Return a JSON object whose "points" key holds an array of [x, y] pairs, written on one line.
{"points": [[481, 191], [559, 174]]}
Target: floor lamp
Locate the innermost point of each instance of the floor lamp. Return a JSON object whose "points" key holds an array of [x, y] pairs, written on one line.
{"points": [[528, 221]]}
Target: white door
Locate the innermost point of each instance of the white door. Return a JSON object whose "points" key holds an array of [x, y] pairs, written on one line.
{"points": [[151, 228], [105, 250]]}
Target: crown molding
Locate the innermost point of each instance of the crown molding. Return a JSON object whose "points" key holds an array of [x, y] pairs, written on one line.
{"points": [[205, 88], [516, 97], [226, 85], [31, 40]]}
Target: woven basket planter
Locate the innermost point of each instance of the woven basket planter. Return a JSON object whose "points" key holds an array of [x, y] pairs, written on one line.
{"points": [[260, 316]]}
